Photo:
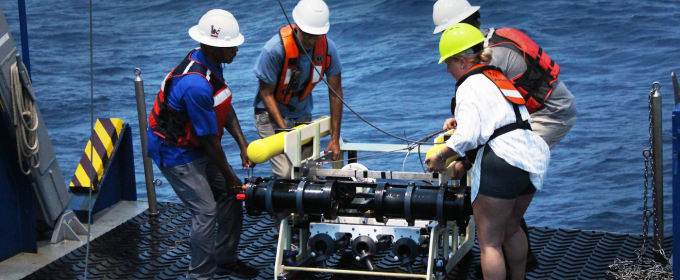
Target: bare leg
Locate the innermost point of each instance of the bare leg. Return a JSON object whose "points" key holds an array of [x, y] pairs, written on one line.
{"points": [[492, 216], [515, 243]]}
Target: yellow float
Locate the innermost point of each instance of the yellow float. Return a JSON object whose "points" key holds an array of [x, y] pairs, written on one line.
{"points": [[262, 150], [439, 147]]}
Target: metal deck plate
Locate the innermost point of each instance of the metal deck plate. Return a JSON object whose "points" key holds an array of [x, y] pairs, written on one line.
{"points": [[144, 248]]}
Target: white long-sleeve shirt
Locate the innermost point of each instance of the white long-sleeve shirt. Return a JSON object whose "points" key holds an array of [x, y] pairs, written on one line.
{"points": [[481, 108]]}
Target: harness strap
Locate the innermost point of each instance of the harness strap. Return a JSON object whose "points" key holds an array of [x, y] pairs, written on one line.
{"points": [[520, 81], [519, 124], [169, 123], [537, 85]]}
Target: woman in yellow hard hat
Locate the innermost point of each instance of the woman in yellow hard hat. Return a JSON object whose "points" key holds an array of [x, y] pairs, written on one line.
{"points": [[493, 132]]}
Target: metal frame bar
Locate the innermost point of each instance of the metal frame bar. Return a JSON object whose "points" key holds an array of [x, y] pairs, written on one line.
{"points": [[460, 249], [292, 143], [356, 272]]}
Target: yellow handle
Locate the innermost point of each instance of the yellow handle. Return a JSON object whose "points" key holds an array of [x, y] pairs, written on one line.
{"points": [[262, 150], [439, 147]]}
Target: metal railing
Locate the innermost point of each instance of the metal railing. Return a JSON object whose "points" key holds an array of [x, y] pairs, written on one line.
{"points": [[148, 168], [657, 171]]}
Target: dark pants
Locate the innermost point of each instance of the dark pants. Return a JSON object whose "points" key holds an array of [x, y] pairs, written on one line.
{"points": [[201, 187]]}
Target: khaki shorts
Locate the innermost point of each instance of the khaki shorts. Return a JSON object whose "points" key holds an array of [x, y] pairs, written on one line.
{"points": [[281, 166], [551, 132]]}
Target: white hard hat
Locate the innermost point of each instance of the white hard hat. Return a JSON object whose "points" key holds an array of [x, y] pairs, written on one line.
{"points": [[217, 28], [312, 16], [449, 12]]}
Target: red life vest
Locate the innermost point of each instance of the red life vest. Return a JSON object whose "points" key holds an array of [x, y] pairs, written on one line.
{"points": [[536, 83], [510, 93], [289, 80], [177, 128]]}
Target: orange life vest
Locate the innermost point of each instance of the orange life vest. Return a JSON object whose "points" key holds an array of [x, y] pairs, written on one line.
{"points": [[536, 83], [289, 79], [177, 128], [510, 93]]}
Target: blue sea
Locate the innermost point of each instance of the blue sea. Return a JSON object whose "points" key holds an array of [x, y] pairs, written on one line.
{"points": [[610, 52]]}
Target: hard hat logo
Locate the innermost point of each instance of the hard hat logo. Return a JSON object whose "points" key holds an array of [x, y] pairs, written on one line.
{"points": [[214, 33], [210, 27]]}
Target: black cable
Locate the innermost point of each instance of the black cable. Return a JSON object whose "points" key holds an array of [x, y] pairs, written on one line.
{"points": [[338, 96], [421, 160], [425, 139], [89, 201]]}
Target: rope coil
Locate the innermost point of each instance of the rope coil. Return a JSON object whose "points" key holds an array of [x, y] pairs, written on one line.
{"points": [[25, 122]]}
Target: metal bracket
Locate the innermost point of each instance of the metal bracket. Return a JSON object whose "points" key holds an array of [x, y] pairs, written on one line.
{"points": [[407, 203], [298, 197], [68, 228]]}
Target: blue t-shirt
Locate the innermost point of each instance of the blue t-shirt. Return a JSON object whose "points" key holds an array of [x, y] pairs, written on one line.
{"points": [[190, 95], [268, 69]]}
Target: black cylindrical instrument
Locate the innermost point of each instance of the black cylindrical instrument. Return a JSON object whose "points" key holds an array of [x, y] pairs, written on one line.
{"points": [[404, 201]]}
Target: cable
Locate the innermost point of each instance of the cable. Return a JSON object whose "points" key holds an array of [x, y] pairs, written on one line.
{"points": [[403, 165], [421, 160], [338, 96], [89, 203]]}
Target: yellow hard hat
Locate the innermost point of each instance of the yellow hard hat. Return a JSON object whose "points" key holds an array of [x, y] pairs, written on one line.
{"points": [[458, 38]]}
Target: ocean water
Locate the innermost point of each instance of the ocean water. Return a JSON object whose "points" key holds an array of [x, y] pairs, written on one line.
{"points": [[610, 53]]}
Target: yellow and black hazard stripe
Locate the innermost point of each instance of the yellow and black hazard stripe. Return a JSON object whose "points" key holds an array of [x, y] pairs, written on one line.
{"points": [[104, 139]]}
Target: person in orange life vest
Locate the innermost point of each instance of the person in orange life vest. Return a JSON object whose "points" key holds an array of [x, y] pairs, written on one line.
{"points": [[287, 76], [556, 115], [494, 132], [186, 124], [550, 119]]}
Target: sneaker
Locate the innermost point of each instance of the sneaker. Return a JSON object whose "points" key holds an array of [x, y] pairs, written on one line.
{"points": [[237, 269]]}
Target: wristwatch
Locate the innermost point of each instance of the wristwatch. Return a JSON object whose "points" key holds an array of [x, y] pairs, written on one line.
{"points": [[440, 157]]}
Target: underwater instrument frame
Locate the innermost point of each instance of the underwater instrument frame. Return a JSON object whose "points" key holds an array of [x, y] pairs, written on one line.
{"points": [[330, 212]]}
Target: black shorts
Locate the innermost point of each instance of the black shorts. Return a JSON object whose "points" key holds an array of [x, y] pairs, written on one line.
{"points": [[499, 179]]}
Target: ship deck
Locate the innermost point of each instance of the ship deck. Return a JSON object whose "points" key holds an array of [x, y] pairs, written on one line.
{"points": [[144, 247]]}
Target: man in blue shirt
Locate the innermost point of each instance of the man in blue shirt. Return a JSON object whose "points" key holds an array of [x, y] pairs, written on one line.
{"points": [[186, 124], [287, 77]]}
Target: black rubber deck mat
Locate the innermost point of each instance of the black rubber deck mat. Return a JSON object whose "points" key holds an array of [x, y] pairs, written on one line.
{"points": [[144, 248]]}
